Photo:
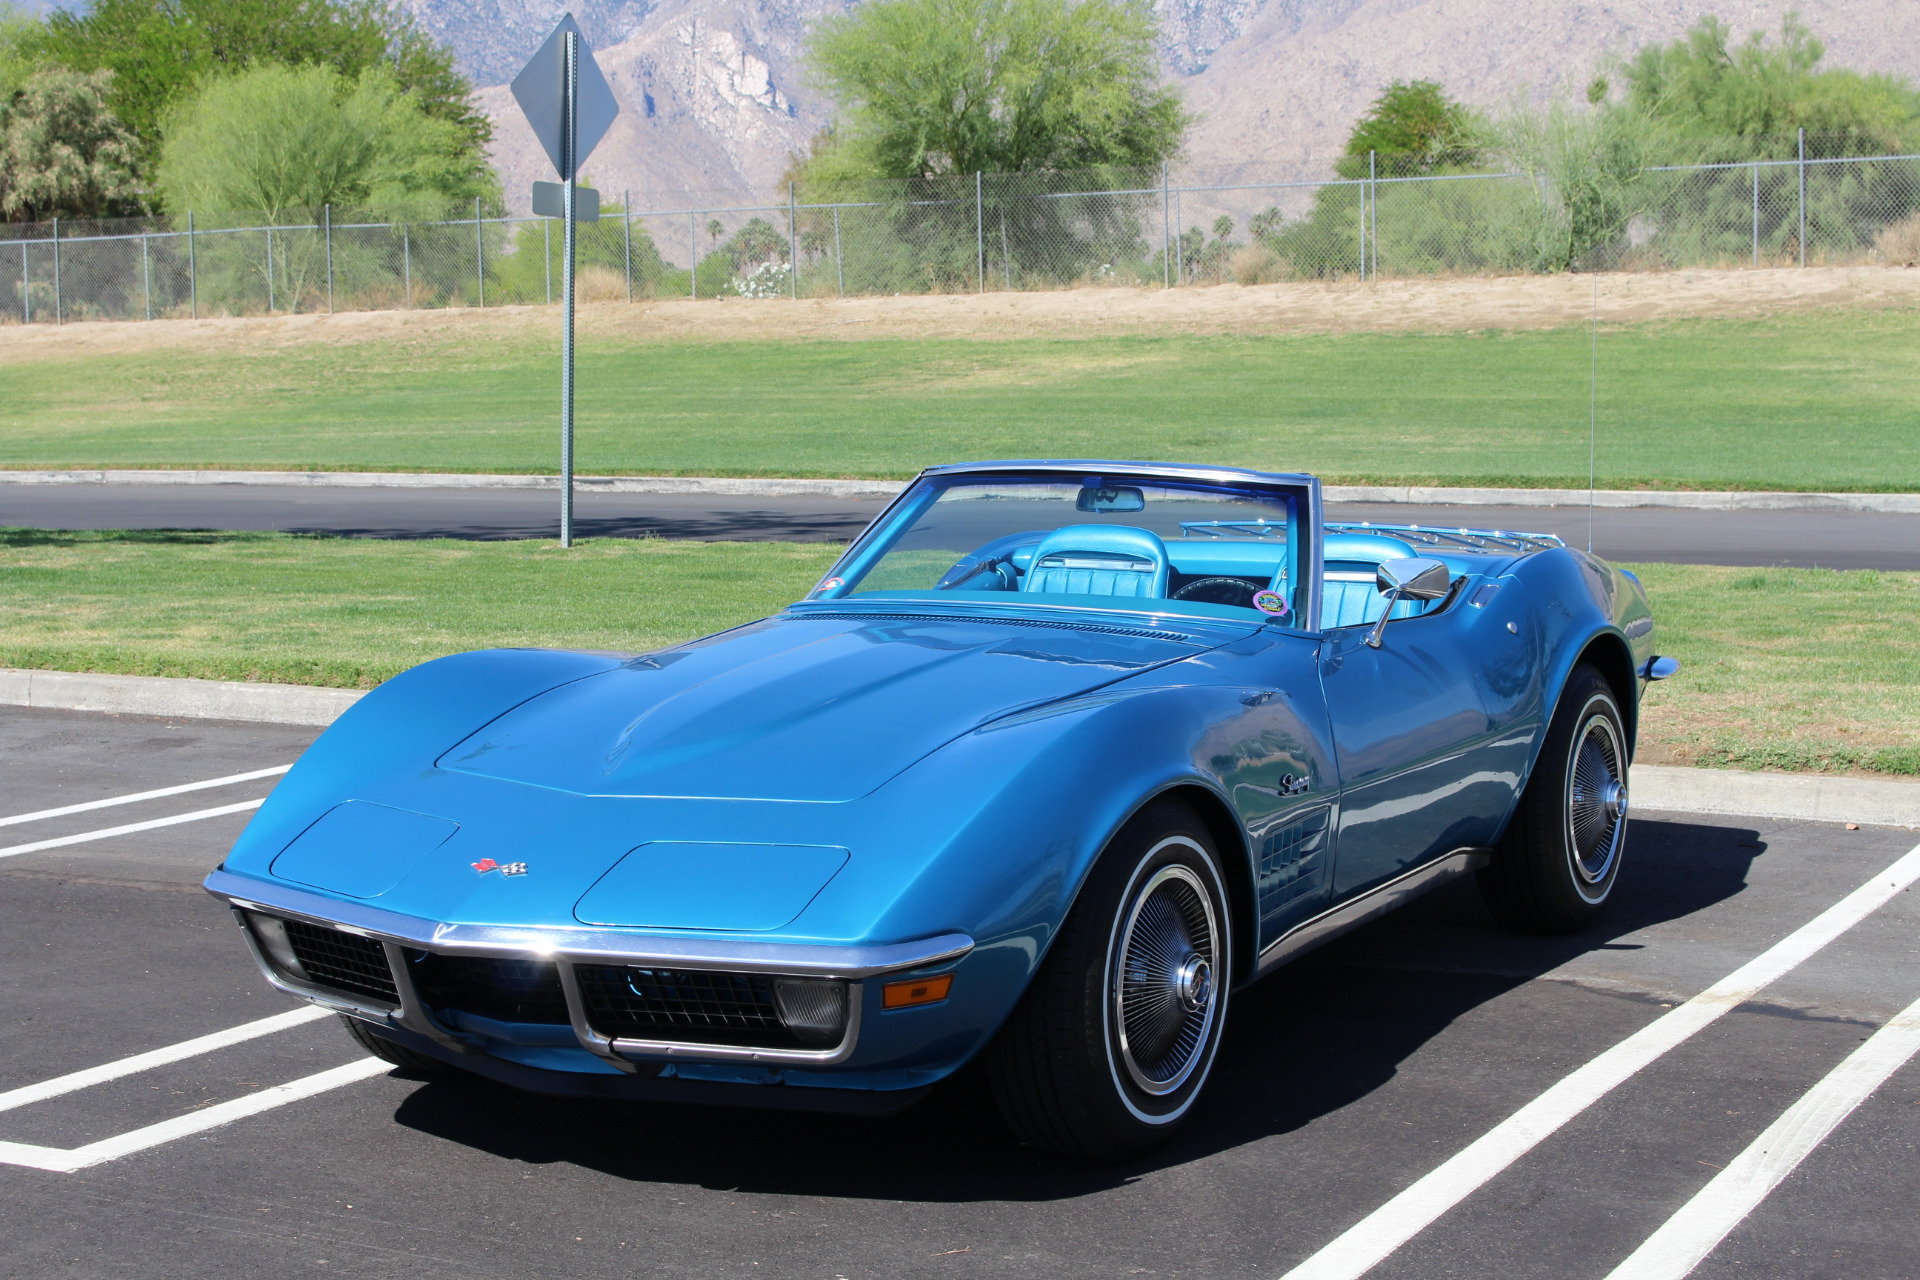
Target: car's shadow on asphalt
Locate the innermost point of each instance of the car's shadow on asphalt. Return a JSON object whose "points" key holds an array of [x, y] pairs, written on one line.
{"points": [[1318, 1035]]}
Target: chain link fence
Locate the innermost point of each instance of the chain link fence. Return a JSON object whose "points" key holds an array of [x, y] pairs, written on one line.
{"points": [[982, 233]]}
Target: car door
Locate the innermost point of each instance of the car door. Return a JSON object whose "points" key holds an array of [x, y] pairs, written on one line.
{"points": [[1411, 737]]}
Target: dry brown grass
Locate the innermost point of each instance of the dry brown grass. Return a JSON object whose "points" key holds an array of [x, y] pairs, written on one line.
{"points": [[1392, 306], [1899, 242]]}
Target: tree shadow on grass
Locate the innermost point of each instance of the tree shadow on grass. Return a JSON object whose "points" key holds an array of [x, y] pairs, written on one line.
{"points": [[1318, 1036], [23, 538]]}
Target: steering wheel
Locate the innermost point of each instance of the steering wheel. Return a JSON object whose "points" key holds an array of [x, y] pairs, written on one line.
{"points": [[1235, 591]]}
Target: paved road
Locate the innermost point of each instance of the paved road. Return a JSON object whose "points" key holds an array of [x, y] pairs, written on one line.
{"points": [[1823, 539], [1344, 1078]]}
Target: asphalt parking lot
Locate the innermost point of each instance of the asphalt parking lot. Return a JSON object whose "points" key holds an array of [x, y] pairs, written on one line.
{"points": [[1364, 1107]]}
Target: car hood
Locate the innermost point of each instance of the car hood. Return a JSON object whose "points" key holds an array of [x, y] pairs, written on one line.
{"points": [[798, 708]]}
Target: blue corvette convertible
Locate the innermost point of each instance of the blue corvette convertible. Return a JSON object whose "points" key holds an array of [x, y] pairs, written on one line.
{"points": [[1056, 757]]}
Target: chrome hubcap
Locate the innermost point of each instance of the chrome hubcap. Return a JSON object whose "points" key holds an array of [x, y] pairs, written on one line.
{"points": [[1596, 801], [1195, 982], [1164, 995]]}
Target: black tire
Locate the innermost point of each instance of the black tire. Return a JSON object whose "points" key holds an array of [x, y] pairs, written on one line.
{"points": [[1560, 858], [410, 1060], [1112, 1044]]}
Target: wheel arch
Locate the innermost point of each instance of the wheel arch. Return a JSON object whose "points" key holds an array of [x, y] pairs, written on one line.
{"points": [[1230, 844], [1230, 841], [1608, 654], [1606, 651]]}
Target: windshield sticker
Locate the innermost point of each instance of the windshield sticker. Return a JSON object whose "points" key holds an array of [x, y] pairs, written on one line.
{"points": [[1271, 603]]}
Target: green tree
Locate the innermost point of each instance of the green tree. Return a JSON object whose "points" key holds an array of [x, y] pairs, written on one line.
{"points": [[161, 51], [1743, 98], [20, 36], [1592, 174], [1725, 101], [277, 139], [62, 152], [1063, 94], [937, 87], [1413, 127]]}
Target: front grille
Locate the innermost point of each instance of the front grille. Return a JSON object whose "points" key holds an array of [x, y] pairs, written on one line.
{"points": [[504, 990], [689, 1005], [343, 961]]}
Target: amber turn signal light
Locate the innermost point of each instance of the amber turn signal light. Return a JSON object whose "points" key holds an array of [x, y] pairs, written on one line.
{"points": [[913, 991]]}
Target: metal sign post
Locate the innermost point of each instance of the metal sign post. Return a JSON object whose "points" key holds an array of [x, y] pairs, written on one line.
{"points": [[569, 104], [568, 166]]}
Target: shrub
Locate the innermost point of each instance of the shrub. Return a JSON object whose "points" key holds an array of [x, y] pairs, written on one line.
{"points": [[1258, 264], [1899, 242], [599, 284]]}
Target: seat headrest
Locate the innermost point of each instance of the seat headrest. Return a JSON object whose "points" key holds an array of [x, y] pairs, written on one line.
{"points": [[1368, 548], [1114, 539]]}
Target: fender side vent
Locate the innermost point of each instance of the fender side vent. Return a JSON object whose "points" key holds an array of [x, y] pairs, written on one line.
{"points": [[1291, 856]]}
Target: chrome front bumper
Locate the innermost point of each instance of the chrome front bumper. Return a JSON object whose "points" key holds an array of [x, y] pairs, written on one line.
{"points": [[564, 948]]}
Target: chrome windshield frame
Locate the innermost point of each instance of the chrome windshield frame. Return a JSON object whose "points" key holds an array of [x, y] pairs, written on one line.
{"points": [[855, 560]]}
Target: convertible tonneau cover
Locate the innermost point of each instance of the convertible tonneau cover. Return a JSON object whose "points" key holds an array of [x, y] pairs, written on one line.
{"points": [[1455, 539]]}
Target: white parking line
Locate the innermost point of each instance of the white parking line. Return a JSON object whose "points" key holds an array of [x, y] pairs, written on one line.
{"points": [[1365, 1244], [59, 1160], [131, 827], [157, 1057], [1685, 1239], [138, 796]]}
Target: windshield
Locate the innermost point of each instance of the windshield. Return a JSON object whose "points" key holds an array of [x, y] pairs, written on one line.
{"points": [[1110, 542]]}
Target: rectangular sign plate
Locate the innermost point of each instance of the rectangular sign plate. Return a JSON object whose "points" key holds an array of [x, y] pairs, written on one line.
{"points": [[550, 201]]}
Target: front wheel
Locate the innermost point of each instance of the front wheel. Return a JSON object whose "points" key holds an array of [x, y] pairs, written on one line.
{"points": [[1557, 865], [1113, 1042]]}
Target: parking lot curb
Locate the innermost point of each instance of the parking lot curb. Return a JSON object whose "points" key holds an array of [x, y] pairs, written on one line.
{"points": [[741, 486], [1807, 797], [1803, 797], [168, 696]]}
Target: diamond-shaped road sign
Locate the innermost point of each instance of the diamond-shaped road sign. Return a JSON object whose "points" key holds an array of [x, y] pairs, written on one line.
{"points": [[541, 90]]}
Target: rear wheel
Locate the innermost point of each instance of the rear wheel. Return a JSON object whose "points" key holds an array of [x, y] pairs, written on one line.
{"points": [[398, 1054], [1113, 1042], [1558, 863]]}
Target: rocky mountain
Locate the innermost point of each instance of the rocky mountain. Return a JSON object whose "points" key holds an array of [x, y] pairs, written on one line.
{"points": [[715, 101]]}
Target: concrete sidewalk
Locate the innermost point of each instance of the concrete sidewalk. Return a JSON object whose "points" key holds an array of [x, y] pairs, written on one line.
{"points": [[1703, 500], [1807, 797]]}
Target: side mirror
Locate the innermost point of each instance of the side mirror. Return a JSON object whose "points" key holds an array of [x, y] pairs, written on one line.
{"points": [[1415, 578]]}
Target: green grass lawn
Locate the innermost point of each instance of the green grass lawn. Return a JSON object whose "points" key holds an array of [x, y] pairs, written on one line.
{"points": [[1810, 400], [350, 612], [1791, 668]]}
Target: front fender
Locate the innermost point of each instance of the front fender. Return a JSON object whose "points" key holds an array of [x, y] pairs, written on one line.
{"points": [[1007, 822]]}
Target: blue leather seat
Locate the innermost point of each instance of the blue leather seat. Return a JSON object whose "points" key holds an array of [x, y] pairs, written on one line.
{"points": [[1099, 560], [1349, 596]]}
